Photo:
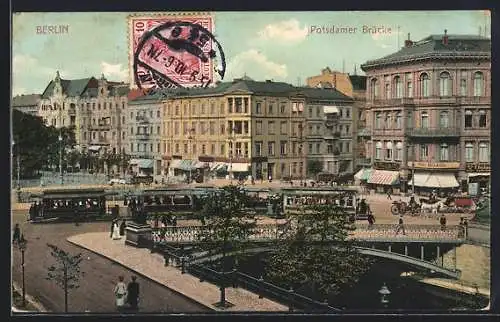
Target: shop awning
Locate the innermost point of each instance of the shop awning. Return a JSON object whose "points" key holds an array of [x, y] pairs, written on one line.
{"points": [[434, 180], [363, 174], [330, 109], [95, 147], [479, 174], [142, 163], [174, 164], [384, 177], [214, 166], [239, 167]]}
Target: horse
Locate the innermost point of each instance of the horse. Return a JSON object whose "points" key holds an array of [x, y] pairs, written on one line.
{"points": [[432, 208]]}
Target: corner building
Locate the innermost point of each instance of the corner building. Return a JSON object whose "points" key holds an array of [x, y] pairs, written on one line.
{"points": [[429, 114], [266, 129], [94, 107]]}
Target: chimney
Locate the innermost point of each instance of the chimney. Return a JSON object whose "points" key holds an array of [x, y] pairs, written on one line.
{"points": [[408, 42], [445, 37]]}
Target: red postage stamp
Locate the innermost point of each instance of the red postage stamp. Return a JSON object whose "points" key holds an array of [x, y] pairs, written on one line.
{"points": [[174, 51]]}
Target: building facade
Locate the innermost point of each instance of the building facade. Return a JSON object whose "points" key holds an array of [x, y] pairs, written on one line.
{"points": [[264, 129], [94, 107], [26, 103], [429, 113]]}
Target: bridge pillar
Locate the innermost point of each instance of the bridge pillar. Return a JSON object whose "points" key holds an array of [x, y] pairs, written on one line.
{"points": [[455, 257], [422, 252], [390, 248], [406, 249]]}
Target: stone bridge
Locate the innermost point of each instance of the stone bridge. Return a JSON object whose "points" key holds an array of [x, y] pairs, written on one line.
{"points": [[423, 246]]}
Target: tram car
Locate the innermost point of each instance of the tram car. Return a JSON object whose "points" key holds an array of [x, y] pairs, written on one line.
{"points": [[296, 199], [54, 205]]}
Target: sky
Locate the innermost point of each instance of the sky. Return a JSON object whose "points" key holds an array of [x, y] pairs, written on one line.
{"points": [[281, 46]]}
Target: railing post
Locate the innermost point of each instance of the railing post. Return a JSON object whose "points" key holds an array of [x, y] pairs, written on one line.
{"points": [[390, 248], [422, 252], [183, 265], [406, 249], [261, 280], [166, 256], [290, 291], [437, 253]]}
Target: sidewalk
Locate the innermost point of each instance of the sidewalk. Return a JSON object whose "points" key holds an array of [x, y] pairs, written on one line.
{"points": [[152, 266], [453, 285]]}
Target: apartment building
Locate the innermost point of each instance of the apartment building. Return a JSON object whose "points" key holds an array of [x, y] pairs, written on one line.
{"points": [[429, 113], [264, 129], [94, 107]]}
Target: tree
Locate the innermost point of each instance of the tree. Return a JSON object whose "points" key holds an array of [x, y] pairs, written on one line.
{"points": [[314, 167], [317, 253], [228, 226], [66, 273]]}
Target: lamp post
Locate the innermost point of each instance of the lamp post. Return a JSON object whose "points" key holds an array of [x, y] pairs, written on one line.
{"points": [[22, 244], [413, 171], [18, 161], [384, 293], [190, 139], [60, 158]]}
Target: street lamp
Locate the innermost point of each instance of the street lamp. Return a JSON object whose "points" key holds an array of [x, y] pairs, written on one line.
{"points": [[384, 293], [22, 244], [60, 158], [190, 139], [231, 154], [18, 159]]}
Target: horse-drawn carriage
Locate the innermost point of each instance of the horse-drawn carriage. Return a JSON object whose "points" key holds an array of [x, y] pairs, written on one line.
{"points": [[452, 204]]}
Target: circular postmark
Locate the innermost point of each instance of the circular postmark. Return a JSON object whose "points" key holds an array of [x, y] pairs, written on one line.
{"points": [[178, 54]]}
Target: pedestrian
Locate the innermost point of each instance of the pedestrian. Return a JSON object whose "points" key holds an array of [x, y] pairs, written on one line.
{"points": [[389, 194], [133, 294], [122, 227], [401, 226], [16, 238], [116, 231], [120, 293], [442, 222], [111, 228], [371, 218]]}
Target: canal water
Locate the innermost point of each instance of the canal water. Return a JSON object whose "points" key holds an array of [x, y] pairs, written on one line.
{"points": [[407, 293]]}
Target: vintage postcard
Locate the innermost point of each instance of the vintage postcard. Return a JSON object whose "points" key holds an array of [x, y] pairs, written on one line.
{"points": [[317, 162]]}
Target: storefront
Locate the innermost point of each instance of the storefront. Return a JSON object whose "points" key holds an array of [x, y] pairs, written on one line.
{"points": [[361, 177], [426, 181], [185, 167], [384, 181], [141, 166], [479, 173]]}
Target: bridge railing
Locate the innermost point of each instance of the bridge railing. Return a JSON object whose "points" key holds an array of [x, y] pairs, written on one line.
{"points": [[172, 234]]}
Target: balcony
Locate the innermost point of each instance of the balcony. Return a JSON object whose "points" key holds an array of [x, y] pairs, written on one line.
{"points": [[100, 127], [141, 119], [433, 132], [142, 136], [390, 102], [388, 132], [72, 111], [365, 132], [472, 100], [365, 162]]}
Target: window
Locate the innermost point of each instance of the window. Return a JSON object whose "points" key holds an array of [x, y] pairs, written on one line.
{"points": [[378, 151], [424, 120], [424, 85], [222, 128], [378, 120], [258, 108], [270, 148], [484, 153], [131, 147], [283, 127], [398, 87], [387, 90], [347, 147], [203, 149], [399, 151], [463, 87], [444, 152], [311, 148], [158, 130], [212, 149], [202, 108], [282, 108], [445, 84], [478, 84], [482, 118], [185, 148], [270, 127], [468, 119], [374, 86], [212, 111], [469, 152], [271, 111], [399, 120], [388, 120], [443, 119], [424, 151], [223, 149], [348, 112], [409, 120], [388, 150], [258, 127], [283, 148], [318, 147], [158, 147], [409, 85], [258, 149]]}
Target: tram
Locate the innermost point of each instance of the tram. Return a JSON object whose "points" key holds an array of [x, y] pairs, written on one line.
{"points": [[295, 199], [68, 205]]}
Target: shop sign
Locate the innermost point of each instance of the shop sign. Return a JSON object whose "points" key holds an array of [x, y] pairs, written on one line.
{"points": [[390, 166], [478, 167], [433, 165]]}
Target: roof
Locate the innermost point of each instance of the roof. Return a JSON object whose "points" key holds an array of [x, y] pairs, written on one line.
{"points": [[25, 100], [247, 86], [358, 82], [85, 87], [432, 47]]}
